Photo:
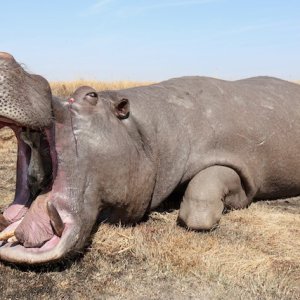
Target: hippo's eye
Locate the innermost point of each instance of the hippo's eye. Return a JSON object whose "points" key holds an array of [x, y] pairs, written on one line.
{"points": [[93, 95], [91, 98]]}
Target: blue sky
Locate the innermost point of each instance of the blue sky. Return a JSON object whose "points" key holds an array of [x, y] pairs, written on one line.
{"points": [[153, 40]]}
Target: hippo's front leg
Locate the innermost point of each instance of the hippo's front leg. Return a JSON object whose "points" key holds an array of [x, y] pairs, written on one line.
{"points": [[206, 196]]}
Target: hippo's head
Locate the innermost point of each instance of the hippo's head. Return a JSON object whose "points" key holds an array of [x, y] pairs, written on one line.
{"points": [[89, 162]]}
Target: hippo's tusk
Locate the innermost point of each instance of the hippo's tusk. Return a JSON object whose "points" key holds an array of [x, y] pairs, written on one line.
{"points": [[4, 236], [55, 219], [13, 239], [3, 223]]}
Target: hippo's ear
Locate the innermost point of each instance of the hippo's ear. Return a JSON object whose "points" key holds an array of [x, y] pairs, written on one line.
{"points": [[121, 108]]}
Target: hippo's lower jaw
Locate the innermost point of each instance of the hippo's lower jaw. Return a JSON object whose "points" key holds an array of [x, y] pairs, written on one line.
{"points": [[32, 229]]}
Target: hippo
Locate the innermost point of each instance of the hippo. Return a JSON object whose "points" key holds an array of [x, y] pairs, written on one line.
{"points": [[116, 155]]}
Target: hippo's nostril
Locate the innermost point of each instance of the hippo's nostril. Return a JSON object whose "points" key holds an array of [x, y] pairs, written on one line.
{"points": [[6, 56]]}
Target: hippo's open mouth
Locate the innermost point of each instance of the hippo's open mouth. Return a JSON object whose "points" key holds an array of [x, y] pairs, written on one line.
{"points": [[31, 223], [38, 226]]}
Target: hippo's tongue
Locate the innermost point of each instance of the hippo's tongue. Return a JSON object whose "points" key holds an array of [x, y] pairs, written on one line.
{"points": [[35, 228], [38, 226]]}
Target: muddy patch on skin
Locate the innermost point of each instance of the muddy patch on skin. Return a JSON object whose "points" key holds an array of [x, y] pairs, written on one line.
{"points": [[254, 254]]}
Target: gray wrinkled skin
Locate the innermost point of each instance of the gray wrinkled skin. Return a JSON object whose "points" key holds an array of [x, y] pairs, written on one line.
{"points": [[192, 123], [121, 153], [232, 141]]}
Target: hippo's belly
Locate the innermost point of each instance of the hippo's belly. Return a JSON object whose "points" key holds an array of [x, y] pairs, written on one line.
{"points": [[269, 168], [280, 167]]}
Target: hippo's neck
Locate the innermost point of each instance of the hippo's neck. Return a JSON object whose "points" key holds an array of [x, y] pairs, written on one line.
{"points": [[142, 169], [163, 143]]}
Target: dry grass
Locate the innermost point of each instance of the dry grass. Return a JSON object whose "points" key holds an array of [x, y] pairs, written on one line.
{"points": [[8, 153], [254, 254], [66, 88]]}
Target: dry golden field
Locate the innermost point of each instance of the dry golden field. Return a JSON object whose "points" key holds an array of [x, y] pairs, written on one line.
{"points": [[253, 254]]}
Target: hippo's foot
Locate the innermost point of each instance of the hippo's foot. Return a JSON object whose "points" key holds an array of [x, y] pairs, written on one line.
{"points": [[207, 194]]}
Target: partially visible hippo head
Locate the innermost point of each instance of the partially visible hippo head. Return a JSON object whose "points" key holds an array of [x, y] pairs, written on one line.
{"points": [[88, 163], [24, 98]]}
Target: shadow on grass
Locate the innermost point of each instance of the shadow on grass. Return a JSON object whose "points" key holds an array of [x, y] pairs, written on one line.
{"points": [[55, 266]]}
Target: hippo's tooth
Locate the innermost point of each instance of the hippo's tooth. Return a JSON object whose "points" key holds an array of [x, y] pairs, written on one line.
{"points": [[3, 223], [55, 219], [13, 239], [4, 236]]}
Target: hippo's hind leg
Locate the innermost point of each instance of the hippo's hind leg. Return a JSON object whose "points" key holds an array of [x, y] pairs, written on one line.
{"points": [[206, 196]]}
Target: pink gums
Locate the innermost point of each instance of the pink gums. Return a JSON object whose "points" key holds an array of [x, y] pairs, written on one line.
{"points": [[22, 201]]}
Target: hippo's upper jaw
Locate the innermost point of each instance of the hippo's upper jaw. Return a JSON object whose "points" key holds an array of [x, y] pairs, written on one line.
{"points": [[25, 99], [31, 228]]}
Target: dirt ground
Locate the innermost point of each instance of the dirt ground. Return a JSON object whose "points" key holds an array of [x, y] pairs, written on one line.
{"points": [[253, 254]]}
